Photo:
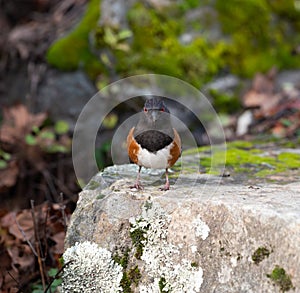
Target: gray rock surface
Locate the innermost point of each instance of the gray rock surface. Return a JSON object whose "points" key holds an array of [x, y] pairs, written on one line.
{"points": [[204, 235]]}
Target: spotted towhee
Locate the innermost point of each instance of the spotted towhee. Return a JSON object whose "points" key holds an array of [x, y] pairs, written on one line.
{"points": [[154, 143]]}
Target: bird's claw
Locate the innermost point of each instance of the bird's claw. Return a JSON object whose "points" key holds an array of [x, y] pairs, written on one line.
{"points": [[137, 186], [165, 188]]}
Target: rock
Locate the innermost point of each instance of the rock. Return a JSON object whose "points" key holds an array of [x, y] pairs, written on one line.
{"points": [[205, 234], [226, 84], [64, 94], [61, 94]]}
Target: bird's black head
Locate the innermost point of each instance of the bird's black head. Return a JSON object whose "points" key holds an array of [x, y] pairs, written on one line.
{"points": [[154, 116], [154, 108], [155, 104]]}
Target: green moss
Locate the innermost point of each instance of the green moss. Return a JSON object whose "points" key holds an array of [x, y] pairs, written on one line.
{"points": [[100, 196], [225, 103], [93, 185], [126, 283], [134, 275], [156, 37], [123, 261], [162, 284], [258, 45], [72, 51], [246, 157], [130, 276], [241, 144], [148, 205], [260, 254], [138, 239], [280, 278]]}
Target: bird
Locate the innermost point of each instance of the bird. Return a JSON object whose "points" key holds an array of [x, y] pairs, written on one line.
{"points": [[153, 142]]}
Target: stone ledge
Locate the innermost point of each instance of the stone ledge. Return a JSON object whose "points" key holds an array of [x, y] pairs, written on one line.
{"points": [[233, 238]]}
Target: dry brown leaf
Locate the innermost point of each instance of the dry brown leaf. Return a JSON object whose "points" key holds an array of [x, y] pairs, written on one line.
{"points": [[22, 257], [262, 91], [8, 219], [59, 238], [25, 223], [8, 176], [17, 122]]}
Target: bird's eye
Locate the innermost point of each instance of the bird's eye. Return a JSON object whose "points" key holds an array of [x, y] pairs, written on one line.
{"points": [[145, 110]]}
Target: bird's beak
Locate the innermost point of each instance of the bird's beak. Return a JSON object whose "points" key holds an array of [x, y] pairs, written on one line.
{"points": [[153, 115]]}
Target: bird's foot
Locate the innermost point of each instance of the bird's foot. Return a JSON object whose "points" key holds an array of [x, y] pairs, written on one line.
{"points": [[137, 186], [165, 188]]}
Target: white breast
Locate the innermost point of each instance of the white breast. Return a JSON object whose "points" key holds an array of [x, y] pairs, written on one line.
{"points": [[158, 160]]}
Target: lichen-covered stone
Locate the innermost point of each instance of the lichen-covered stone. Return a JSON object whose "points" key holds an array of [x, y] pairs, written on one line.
{"points": [[90, 268], [202, 234]]}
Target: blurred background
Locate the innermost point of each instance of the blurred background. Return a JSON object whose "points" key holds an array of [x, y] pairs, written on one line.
{"points": [[55, 55]]}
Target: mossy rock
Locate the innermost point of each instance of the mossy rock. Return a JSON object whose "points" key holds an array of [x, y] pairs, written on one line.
{"points": [[258, 35], [281, 279], [73, 51], [246, 158], [262, 34]]}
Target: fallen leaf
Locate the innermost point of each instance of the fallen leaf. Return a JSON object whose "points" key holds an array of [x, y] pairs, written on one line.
{"points": [[8, 219], [59, 239], [8, 176], [25, 223], [17, 122], [22, 257]]}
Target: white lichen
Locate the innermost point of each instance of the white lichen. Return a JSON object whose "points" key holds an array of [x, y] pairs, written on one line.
{"points": [[201, 228], [90, 268], [161, 257]]}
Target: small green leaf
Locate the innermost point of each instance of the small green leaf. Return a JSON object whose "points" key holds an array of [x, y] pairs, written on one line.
{"points": [[57, 148], [35, 130], [52, 272], [286, 122], [124, 34], [56, 283], [61, 127], [109, 37], [104, 58], [6, 156], [3, 164], [47, 135], [123, 47], [110, 121], [30, 139]]}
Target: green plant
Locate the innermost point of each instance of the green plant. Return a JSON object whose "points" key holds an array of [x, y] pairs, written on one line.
{"points": [[73, 50], [281, 278], [48, 138], [38, 287], [4, 158]]}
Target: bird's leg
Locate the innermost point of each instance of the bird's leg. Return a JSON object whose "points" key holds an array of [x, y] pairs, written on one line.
{"points": [[167, 185], [137, 184]]}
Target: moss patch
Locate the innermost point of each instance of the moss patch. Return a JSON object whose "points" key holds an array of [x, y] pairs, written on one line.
{"points": [[246, 157], [281, 279], [162, 284], [138, 239], [93, 185], [260, 254], [258, 45], [73, 50], [100, 196], [130, 275], [156, 36], [134, 275]]}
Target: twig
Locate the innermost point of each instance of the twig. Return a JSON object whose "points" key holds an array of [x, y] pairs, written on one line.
{"points": [[57, 274], [25, 238], [38, 245], [62, 210], [10, 274]]}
